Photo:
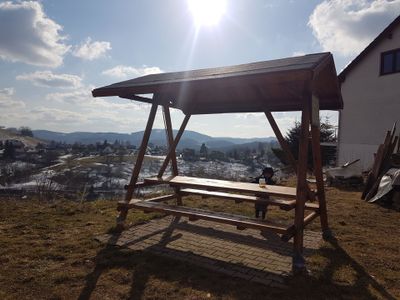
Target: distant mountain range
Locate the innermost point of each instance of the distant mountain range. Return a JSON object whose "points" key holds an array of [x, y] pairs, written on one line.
{"points": [[190, 139]]}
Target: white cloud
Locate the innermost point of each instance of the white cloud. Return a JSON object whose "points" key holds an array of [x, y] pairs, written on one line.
{"points": [[58, 116], [6, 92], [298, 53], [28, 35], [91, 50], [7, 103], [73, 97], [122, 72], [51, 80], [250, 116], [348, 26], [82, 98], [73, 110]]}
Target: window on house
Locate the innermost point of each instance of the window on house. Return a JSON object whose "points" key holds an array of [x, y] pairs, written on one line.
{"points": [[390, 62]]}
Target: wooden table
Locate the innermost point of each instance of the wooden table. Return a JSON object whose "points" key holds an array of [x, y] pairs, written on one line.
{"points": [[225, 185], [230, 190]]}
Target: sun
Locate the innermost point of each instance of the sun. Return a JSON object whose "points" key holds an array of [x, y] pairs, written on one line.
{"points": [[207, 12]]}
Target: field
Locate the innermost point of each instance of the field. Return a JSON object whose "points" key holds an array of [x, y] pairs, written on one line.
{"points": [[48, 251]]}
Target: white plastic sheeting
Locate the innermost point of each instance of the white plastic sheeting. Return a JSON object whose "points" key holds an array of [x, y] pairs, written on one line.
{"points": [[388, 181]]}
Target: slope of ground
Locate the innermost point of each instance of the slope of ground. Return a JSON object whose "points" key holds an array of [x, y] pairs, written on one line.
{"points": [[48, 251], [27, 140]]}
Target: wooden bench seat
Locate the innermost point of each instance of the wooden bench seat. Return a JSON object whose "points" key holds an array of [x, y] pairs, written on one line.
{"points": [[225, 185], [281, 203], [194, 214]]}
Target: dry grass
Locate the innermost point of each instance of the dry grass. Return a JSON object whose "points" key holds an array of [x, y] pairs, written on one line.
{"points": [[47, 251]]}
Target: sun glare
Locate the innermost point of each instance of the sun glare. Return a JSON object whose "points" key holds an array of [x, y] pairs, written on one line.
{"points": [[207, 12]]}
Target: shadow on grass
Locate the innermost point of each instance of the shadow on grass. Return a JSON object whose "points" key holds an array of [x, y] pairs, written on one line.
{"points": [[348, 188], [271, 241], [362, 280], [145, 266]]}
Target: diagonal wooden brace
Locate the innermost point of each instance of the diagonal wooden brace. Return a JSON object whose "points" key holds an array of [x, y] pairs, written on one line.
{"points": [[172, 149], [138, 165]]}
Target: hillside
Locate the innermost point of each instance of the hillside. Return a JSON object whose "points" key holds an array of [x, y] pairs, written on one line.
{"points": [[48, 251], [190, 139], [10, 134]]}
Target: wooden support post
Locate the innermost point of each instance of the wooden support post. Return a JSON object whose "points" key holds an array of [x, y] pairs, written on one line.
{"points": [[173, 147], [298, 259], [138, 165], [285, 148], [317, 159], [170, 139]]}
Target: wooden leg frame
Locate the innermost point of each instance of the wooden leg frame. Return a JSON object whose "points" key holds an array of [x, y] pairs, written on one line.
{"points": [[171, 156], [309, 119], [138, 165], [310, 116], [170, 139]]}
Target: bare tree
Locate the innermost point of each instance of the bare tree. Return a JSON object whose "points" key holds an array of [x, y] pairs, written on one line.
{"points": [[46, 188]]}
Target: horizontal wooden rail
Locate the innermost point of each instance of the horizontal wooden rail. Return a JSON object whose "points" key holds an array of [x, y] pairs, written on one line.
{"points": [[132, 203], [143, 184], [195, 214], [292, 230]]}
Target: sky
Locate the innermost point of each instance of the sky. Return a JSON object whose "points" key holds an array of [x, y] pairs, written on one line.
{"points": [[53, 53]]}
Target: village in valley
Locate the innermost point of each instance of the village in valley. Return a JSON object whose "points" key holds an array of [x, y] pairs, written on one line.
{"points": [[29, 164]]}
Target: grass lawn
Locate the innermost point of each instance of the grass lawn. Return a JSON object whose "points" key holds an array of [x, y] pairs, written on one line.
{"points": [[48, 251]]}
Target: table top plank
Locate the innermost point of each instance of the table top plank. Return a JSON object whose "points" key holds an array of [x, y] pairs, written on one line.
{"points": [[226, 185]]}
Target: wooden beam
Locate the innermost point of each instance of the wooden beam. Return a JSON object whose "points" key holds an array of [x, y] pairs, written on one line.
{"points": [[291, 230], [130, 204], [238, 198], [138, 165], [137, 98], [393, 132], [384, 168], [316, 151], [398, 144], [173, 147], [298, 260], [283, 204], [196, 214], [285, 147], [141, 184], [170, 139], [226, 185], [142, 152], [281, 140], [377, 166]]}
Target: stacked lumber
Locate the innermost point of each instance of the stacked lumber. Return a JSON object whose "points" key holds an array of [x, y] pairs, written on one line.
{"points": [[382, 163]]}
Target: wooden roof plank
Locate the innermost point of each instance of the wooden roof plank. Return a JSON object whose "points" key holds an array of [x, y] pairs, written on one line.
{"points": [[231, 89]]}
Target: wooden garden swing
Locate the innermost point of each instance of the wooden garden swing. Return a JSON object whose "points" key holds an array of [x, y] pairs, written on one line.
{"points": [[306, 83]]}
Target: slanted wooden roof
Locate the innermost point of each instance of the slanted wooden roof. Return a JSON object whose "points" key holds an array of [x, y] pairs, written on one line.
{"points": [[277, 85]]}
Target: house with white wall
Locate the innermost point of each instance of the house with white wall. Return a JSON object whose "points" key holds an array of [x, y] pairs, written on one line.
{"points": [[370, 87]]}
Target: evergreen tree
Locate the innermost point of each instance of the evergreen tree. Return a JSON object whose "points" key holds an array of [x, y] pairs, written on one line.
{"points": [[203, 150], [25, 131], [9, 150], [327, 134]]}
